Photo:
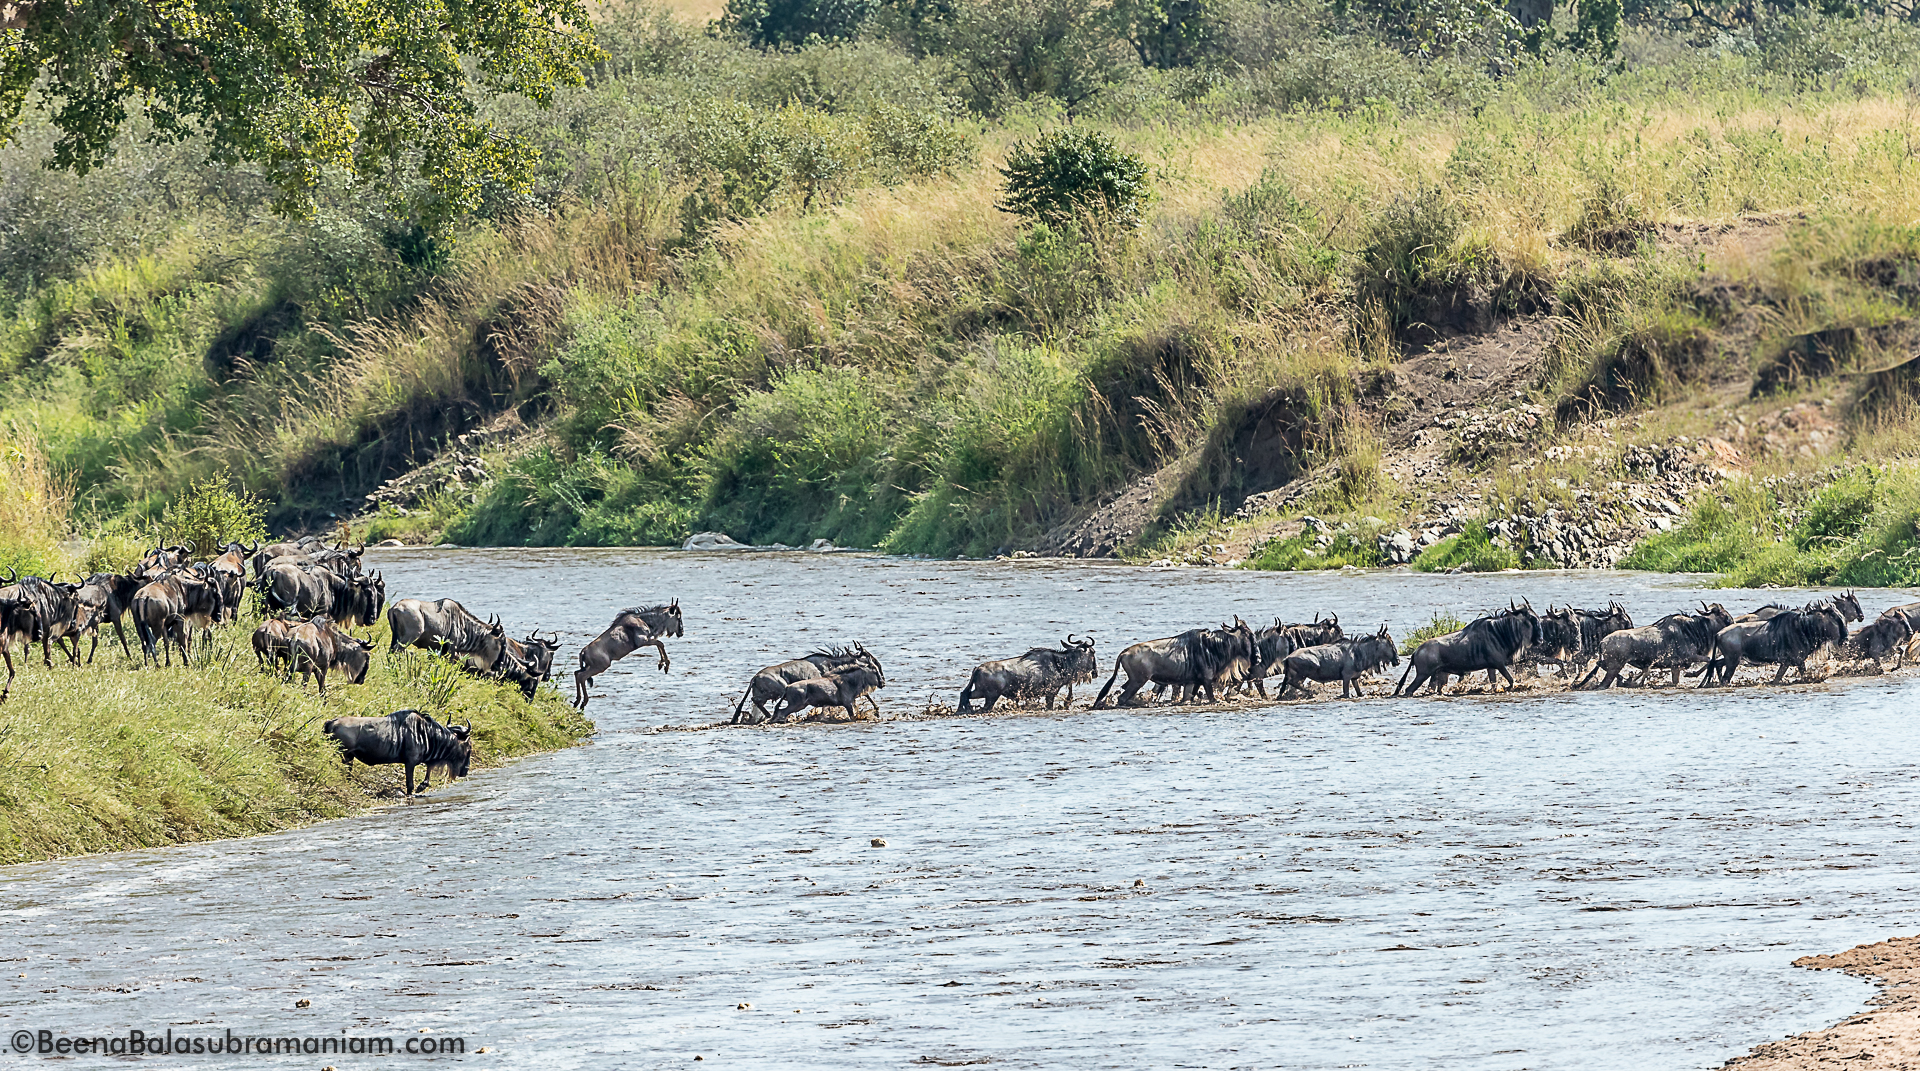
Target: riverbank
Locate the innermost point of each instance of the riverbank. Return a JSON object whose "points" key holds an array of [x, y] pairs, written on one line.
{"points": [[1885, 1037], [114, 757]]}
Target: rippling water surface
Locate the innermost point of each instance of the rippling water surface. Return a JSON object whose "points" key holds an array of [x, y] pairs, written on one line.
{"points": [[1613, 880]]}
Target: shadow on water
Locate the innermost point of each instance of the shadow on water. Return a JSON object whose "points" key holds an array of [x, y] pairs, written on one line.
{"points": [[1612, 880]]}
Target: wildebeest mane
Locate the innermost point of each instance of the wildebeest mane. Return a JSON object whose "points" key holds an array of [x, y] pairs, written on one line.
{"points": [[1508, 627], [831, 652]]}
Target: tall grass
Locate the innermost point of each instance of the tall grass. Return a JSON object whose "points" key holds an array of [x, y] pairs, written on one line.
{"points": [[34, 505]]}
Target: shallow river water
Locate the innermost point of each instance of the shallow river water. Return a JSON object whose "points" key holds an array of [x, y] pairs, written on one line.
{"points": [[1591, 881]]}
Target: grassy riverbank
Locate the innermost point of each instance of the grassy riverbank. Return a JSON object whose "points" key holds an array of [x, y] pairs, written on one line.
{"points": [[113, 757]]}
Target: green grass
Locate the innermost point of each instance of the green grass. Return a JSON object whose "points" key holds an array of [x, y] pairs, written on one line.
{"points": [[112, 757], [1440, 624], [1356, 549], [1858, 527], [1472, 547]]}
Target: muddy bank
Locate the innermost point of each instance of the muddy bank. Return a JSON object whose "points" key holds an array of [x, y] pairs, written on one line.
{"points": [[1885, 1037]]}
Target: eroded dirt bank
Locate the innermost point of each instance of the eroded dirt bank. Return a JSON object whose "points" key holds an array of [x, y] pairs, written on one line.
{"points": [[1885, 1037]]}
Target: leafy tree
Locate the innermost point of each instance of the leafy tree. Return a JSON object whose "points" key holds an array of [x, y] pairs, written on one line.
{"points": [[1164, 33], [377, 87], [1008, 50], [1065, 174], [795, 22]]}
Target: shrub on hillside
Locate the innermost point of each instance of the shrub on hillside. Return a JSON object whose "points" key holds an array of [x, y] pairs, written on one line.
{"points": [[1064, 176], [1472, 551], [212, 513]]}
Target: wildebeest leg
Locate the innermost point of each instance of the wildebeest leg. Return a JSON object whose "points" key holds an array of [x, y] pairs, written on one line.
{"points": [[1782, 673], [409, 778], [875, 704], [1068, 705], [1509, 676], [122, 633], [8, 655]]}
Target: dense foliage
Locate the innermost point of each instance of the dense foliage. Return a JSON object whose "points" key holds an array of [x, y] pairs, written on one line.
{"points": [[758, 280]]}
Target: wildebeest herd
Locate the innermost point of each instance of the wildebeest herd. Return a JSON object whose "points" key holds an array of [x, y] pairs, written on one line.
{"points": [[315, 594]]}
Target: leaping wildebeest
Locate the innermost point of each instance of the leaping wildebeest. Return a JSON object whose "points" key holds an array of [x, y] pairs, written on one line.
{"points": [[1491, 643], [633, 629], [1198, 660], [1344, 660], [1674, 642], [1787, 639], [410, 738], [770, 683], [1039, 674]]}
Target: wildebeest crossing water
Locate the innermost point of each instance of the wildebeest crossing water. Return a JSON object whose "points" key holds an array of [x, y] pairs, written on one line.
{"points": [[1539, 879]]}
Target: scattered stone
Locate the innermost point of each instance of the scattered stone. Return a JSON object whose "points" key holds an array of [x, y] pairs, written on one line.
{"points": [[303, 1003], [389, 543], [1139, 883], [822, 544], [745, 1005], [1398, 548], [878, 842]]}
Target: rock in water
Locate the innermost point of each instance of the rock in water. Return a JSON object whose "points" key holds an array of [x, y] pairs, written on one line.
{"points": [[712, 541], [878, 842]]}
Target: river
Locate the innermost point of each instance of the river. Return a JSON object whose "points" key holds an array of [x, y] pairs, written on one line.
{"points": [[1591, 880]]}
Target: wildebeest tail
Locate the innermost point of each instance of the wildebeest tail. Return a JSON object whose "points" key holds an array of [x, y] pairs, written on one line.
{"points": [[741, 705], [966, 694], [1101, 699], [1404, 675]]}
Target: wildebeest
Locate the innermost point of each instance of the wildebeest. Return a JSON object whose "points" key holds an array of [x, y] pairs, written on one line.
{"points": [[1787, 639], [315, 589], [16, 625], [534, 657], [1198, 660], [168, 609], [408, 737], [319, 648], [1344, 660], [770, 683], [842, 688], [448, 628], [633, 629], [1038, 674], [229, 571], [1272, 645], [1674, 642], [297, 549], [273, 642], [56, 611], [108, 595], [1490, 643], [160, 560], [1889, 634]]}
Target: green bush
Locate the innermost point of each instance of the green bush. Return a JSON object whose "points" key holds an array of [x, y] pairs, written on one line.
{"points": [[1440, 624], [1473, 548], [211, 513], [1348, 548], [1068, 175]]}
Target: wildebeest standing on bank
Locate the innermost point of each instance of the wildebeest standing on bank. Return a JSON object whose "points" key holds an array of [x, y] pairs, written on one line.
{"points": [[1345, 661], [630, 631], [319, 648], [167, 610], [230, 573], [273, 642], [770, 683], [1194, 661], [1787, 639], [110, 595], [16, 625], [1674, 642], [1490, 643], [841, 688], [1038, 674], [56, 613], [408, 737]]}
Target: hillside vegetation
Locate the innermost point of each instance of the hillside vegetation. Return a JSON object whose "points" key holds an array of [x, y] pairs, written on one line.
{"points": [[1521, 296]]}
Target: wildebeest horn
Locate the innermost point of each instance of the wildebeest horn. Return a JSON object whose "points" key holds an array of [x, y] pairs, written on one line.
{"points": [[1334, 618]]}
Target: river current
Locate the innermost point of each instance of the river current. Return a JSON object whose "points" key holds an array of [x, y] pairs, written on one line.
{"points": [[1589, 880]]}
